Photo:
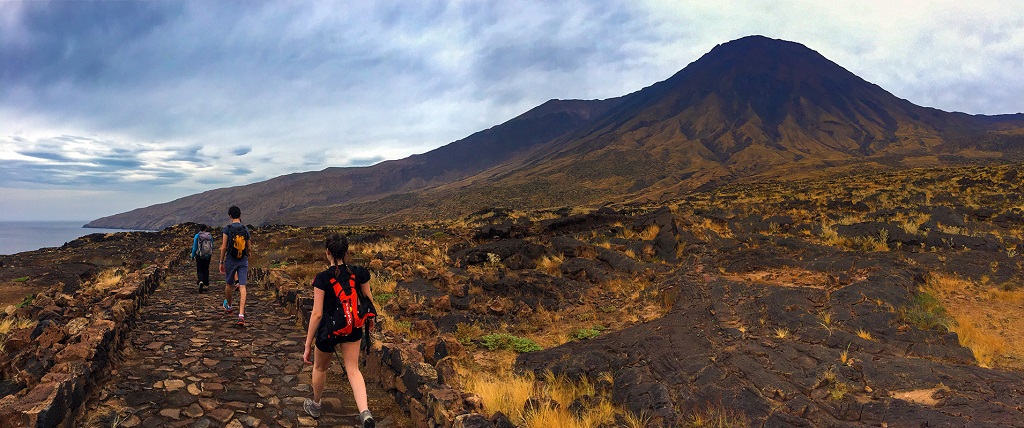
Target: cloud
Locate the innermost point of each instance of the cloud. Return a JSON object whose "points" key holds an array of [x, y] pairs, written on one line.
{"points": [[92, 163], [241, 151], [367, 161]]}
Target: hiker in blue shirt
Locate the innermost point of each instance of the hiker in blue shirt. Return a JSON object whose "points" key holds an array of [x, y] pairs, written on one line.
{"points": [[202, 252], [234, 261]]}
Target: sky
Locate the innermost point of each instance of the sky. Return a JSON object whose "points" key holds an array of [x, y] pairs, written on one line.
{"points": [[115, 105]]}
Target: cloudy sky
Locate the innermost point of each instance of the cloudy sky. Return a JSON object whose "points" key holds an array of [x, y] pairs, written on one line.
{"points": [[109, 106]]}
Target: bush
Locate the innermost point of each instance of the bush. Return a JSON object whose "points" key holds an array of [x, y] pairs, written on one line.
{"points": [[927, 314], [384, 297], [509, 342], [586, 333]]}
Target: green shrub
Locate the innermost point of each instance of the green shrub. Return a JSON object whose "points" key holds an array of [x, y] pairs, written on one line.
{"points": [[586, 333], [383, 298], [22, 279], [927, 313], [507, 341], [26, 301]]}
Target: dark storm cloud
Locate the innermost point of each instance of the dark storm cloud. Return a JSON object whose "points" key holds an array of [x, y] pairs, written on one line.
{"points": [[79, 41], [189, 154]]}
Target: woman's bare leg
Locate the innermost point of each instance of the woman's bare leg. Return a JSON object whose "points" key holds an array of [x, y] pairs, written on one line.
{"points": [[350, 355], [321, 362]]}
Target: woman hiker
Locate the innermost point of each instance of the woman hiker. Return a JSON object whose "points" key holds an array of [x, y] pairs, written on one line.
{"points": [[320, 345]]}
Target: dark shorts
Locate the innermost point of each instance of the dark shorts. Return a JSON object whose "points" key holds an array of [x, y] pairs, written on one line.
{"points": [[327, 344], [231, 266]]}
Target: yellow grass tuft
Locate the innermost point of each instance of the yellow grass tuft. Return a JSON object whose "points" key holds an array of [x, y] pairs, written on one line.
{"points": [[987, 345], [106, 279], [716, 416], [864, 334], [504, 393], [382, 282], [552, 265], [650, 232], [14, 323]]}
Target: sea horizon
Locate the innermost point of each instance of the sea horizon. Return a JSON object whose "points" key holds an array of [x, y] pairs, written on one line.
{"points": [[18, 236]]}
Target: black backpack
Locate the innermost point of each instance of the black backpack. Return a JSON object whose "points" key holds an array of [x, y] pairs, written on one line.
{"points": [[238, 241], [352, 310]]}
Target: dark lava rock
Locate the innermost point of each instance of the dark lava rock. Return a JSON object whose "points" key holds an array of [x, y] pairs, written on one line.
{"points": [[571, 247], [694, 355], [873, 229], [957, 242], [504, 230], [501, 421], [581, 222], [503, 249], [421, 287], [583, 269]]}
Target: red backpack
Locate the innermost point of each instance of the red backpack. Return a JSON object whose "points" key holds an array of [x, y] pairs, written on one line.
{"points": [[352, 310]]}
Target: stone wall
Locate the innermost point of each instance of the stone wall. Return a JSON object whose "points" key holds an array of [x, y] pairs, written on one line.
{"points": [[55, 365], [420, 375]]}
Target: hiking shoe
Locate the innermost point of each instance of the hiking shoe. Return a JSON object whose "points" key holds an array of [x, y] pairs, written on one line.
{"points": [[200, 283], [227, 307], [241, 320], [311, 408], [366, 418]]}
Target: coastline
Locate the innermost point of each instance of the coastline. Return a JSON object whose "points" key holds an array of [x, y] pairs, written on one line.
{"points": [[18, 236]]}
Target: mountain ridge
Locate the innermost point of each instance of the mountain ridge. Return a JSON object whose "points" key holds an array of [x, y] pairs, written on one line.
{"points": [[751, 108]]}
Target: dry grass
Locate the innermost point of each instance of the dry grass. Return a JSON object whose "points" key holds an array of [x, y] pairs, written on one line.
{"points": [[717, 416], [707, 225], [367, 250], [14, 323], [650, 232], [508, 393], [864, 334], [502, 393], [912, 223], [973, 310], [551, 265], [106, 280]]}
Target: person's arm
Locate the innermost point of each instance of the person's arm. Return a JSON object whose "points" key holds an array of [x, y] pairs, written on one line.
{"points": [[365, 289], [195, 245], [223, 250], [314, 321]]}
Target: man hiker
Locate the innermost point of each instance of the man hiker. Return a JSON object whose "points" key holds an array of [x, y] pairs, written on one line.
{"points": [[234, 261], [202, 252]]}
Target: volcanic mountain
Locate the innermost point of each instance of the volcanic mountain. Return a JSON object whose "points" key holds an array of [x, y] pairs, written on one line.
{"points": [[750, 109]]}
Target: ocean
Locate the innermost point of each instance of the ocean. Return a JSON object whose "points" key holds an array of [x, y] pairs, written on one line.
{"points": [[18, 236]]}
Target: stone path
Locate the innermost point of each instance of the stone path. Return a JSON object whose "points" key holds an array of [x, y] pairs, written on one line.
{"points": [[189, 365]]}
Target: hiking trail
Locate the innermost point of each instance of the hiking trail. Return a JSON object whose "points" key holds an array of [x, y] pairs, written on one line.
{"points": [[186, 364]]}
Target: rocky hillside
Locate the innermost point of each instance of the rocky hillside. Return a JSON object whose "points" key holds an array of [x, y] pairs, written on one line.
{"points": [[753, 108], [875, 299]]}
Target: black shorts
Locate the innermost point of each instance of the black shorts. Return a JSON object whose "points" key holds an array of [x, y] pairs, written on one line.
{"points": [[327, 344]]}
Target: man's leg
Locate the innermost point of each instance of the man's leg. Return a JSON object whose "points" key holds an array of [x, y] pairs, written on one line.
{"points": [[204, 272], [243, 279], [229, 283]]}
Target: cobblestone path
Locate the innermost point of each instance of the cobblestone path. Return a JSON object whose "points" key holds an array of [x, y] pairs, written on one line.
{"points": [[189, 365]]}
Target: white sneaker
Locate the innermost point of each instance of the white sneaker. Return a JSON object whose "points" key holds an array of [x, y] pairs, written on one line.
{"points": [[313, 409]]}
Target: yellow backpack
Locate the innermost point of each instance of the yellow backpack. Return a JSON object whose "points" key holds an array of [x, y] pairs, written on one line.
{"points": [[238, 239]]}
